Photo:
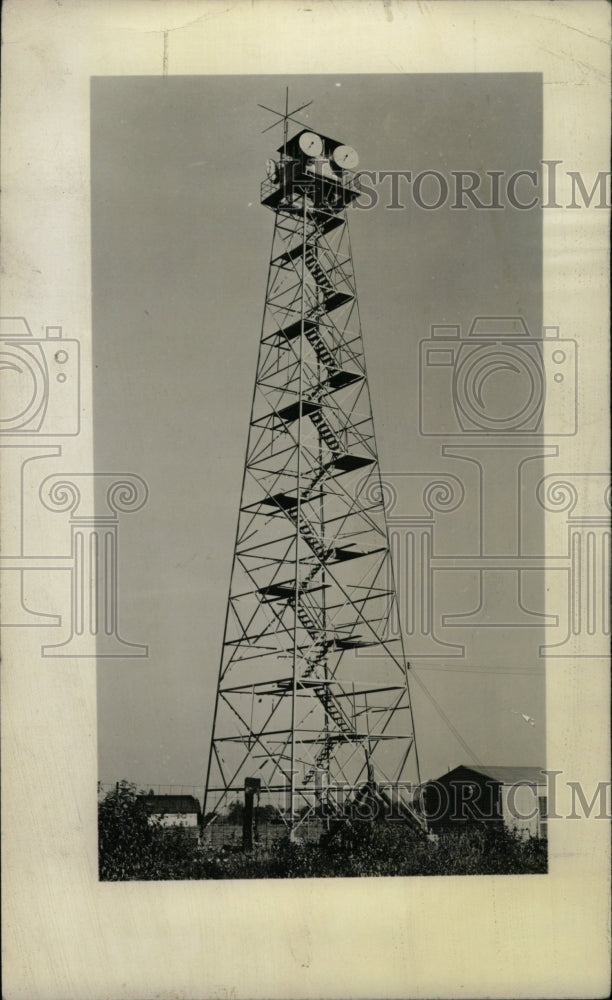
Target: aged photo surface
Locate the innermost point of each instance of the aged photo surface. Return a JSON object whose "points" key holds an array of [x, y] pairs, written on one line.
{"points": [[305, 499], [385, 620]]}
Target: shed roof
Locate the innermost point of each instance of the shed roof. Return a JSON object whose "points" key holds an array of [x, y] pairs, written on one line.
{"points": [[178, 804]]}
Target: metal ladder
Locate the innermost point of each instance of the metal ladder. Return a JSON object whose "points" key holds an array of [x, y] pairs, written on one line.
{"points": [[328, 434], [317, 271], [320, 347]]}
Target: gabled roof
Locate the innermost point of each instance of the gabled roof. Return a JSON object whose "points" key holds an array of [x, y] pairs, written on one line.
{"points": [[504, 774], [509, 775], [177, 804]]}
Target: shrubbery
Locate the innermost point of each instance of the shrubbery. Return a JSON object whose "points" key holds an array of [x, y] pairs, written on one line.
{"points": [[133, 848]]}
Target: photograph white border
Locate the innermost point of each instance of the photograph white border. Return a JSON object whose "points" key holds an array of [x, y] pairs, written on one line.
{"points": [[65, 934]]}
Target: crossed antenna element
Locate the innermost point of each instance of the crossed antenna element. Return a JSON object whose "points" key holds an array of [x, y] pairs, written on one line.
{"points": [[285, 117]]}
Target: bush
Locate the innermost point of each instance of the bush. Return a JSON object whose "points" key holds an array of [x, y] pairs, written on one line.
{"points": [[131, 847], [263, 814], [388, 849], [487, 849]]}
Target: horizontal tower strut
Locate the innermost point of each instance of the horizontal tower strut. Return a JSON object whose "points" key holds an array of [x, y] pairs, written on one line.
{"points": [[312, 588]]}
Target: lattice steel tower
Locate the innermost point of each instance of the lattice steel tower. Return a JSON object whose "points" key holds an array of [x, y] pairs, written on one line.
{"points": [[313, 685]]}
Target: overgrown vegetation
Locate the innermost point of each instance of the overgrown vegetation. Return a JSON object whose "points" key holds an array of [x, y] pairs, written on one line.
{"points": [[263, 814], [131, 847]]}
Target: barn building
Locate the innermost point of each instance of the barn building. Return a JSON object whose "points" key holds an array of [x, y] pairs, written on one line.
{"points": [[513, 796], [175, 811]]}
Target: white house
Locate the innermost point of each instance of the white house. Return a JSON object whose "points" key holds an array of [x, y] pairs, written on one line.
{"points": [[175, 811]]}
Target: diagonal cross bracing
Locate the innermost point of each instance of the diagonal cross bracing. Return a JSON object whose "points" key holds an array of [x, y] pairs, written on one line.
{"points": [[312, 554]]}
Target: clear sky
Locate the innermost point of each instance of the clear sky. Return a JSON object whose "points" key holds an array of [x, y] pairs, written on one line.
{"points": [[180, 249]]}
